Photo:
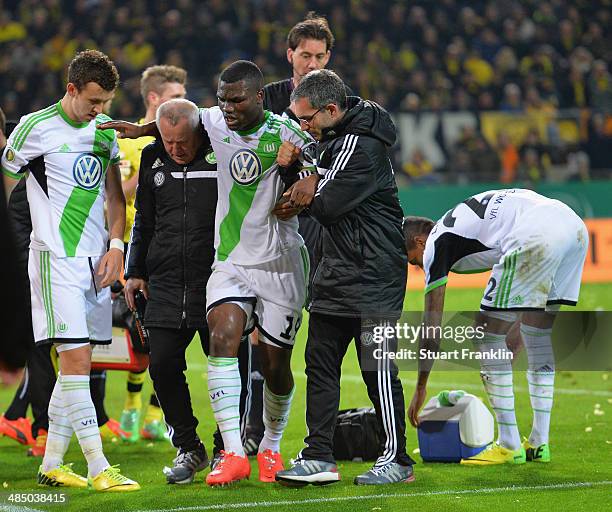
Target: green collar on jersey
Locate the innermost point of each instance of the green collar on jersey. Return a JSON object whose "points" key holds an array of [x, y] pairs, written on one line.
{"points": [[65, 117], [255, 128]]}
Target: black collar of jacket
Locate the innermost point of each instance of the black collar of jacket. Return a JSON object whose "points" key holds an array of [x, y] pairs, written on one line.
{"points": [[198, 162], [363, 117], [354, 105]]}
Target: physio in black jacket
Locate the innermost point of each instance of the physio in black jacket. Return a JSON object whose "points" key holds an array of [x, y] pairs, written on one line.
{"points": [[169, 258], [360, 280]]}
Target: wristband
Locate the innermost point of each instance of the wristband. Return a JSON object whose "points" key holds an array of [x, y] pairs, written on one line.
{"points": [[116, 243]]}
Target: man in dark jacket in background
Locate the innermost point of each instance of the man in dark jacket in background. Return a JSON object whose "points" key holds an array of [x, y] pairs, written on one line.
{"points": [[309, 45], [169, 258], [360, 280]]}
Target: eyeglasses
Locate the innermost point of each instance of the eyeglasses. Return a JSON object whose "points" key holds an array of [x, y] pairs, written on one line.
{"points": [[308, 119]]}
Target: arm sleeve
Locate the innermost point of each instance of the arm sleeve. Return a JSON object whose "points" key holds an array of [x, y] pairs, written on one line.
{"points": [[436, 265], [114, 156], [351, 179], [304, 166], [442, 253], [22, 147], [143, 229]]}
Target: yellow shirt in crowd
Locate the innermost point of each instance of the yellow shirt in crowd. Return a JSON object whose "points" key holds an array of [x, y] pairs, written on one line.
{"points": [[130, 151]]}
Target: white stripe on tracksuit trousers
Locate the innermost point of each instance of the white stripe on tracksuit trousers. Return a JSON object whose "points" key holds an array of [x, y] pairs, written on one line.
{"points": [[328, 340], [386, 407]]}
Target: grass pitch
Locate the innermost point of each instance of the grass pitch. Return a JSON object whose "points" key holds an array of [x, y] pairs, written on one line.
{"points": [[579, 477]]}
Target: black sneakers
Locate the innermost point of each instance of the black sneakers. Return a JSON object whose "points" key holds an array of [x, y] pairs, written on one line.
{"points": [[186, 465]]}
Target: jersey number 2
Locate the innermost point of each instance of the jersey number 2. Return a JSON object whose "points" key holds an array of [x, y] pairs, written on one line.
{"points": [[492, 285], [478, 207]]}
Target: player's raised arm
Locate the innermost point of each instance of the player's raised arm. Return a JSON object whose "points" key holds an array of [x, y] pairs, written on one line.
{"points": [[127, 130]]}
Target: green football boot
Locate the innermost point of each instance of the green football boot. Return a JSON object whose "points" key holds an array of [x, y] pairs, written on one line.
{"points": [[130, 423], [154, 431], [536, 453]]}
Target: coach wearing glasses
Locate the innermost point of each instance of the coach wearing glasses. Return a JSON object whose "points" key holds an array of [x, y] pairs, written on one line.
{"points": [[360, 279]]}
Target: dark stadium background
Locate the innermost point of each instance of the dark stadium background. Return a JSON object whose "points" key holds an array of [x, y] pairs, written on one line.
{"points": [[439, 66]]}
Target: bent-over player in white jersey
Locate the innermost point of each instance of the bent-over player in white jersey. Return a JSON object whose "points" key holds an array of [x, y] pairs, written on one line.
{"points": [[71, 168], [536, 248], [261, 266]]}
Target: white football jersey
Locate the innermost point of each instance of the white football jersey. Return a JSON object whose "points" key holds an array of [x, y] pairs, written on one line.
{"points": [[65, 163], [475, 234], [249, 185]]}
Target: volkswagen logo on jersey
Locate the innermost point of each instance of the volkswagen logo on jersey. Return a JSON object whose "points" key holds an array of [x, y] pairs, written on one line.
{"points": [[245, 167], [159, 179], [87, 171]]}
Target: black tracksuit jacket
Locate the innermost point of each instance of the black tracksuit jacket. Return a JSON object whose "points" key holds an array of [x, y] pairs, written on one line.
{"points": [[172, 242], [363, 264]]}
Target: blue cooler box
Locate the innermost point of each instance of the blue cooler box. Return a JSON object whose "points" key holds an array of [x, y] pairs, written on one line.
{"points": [[455, 432]]}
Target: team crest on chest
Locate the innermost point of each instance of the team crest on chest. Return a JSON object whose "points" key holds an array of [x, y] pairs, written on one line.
{"points": [[245, 167], [211, 158], [159, 179], [87, 171]]}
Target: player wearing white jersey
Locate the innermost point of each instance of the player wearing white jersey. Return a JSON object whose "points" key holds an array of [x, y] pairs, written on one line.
{"points": [[261, 265], [536, 248], [71, 168]]}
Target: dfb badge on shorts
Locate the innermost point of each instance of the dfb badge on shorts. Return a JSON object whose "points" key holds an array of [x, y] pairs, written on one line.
{"points": [[159, 178], [245, 167]]}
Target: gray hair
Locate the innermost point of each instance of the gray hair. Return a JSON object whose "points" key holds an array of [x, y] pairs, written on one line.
{"points": [[321, 87], [177, 109]]}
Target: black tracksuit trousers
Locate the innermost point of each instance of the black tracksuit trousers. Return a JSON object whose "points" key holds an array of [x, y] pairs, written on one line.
{"points": [[328, 340], [167, 365]]}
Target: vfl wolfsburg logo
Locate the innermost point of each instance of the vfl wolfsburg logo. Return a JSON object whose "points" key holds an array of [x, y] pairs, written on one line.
{"points": [[211, 158], [62, 327], [87, 171], [245, 167]]}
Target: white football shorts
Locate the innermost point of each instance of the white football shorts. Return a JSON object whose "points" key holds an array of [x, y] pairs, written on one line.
{"points": [[272, 294], [542, 263], [67, 304]]}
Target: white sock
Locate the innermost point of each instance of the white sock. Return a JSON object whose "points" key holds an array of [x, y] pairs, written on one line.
{"points": [[275, 417], [224, 388], [60, 431], [82, 414], [541, 380], [496, 376]]}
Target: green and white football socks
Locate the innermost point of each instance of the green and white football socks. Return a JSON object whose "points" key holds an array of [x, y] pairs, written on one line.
{"points": [[541, 380], [60, 431], [82, 414], [275, 418], [496, 374], [224, 388]]}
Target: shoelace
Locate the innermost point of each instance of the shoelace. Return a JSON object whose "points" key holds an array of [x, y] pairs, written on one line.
{"points": [[188, 458], [114, 472], [297, 462], [382, 470], [269, 460], [224, 457], [67, 468]]}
